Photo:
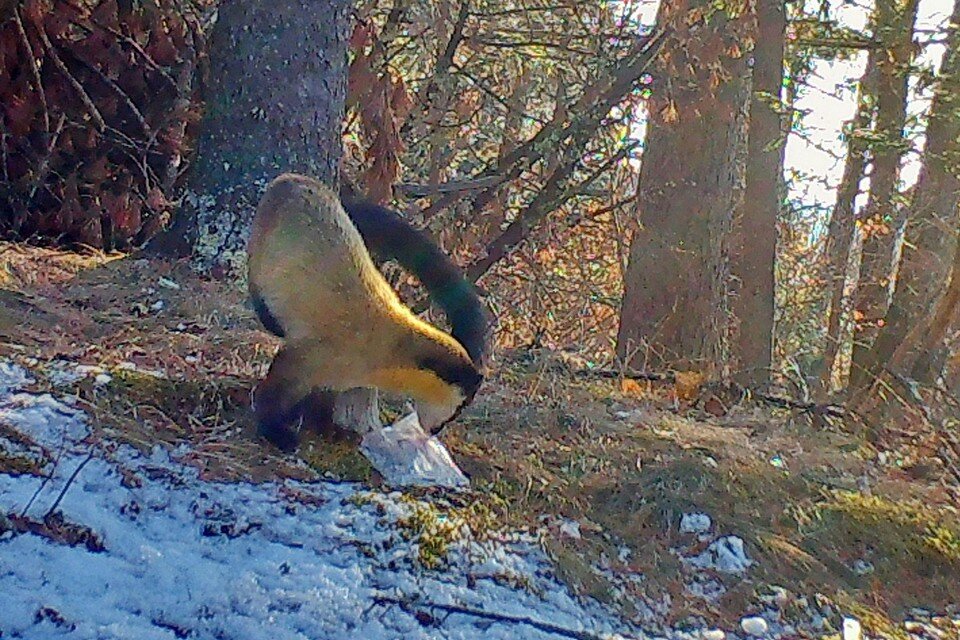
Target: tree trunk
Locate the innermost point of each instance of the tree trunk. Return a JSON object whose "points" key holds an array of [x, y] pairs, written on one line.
{"points": [[927, 337], [840, 234], [274, 103], [675, 306], [881, 218], [931, 231], [763, 197]]}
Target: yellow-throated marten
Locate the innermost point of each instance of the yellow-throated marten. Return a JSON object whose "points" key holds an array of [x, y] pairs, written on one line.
{"points": [[314, 283]]}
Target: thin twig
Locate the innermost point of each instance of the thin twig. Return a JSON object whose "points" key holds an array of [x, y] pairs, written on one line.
{"points": [[413, 190], [34, 69], [63, 492], [46, 479], [408, 604], [87, 102], [783, 402], [152, 64], [44, 167], [120, 93]]}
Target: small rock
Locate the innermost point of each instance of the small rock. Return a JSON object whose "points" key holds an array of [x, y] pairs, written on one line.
{"points": [[168, 283], [726, 554], [754, 626], [778, 596], [102, 379], [571, 529], [695, 523], [862, 567], [851, 629], [713, 634]]}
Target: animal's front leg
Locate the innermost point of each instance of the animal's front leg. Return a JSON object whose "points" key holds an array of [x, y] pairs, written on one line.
{"points": [[277, 401]]}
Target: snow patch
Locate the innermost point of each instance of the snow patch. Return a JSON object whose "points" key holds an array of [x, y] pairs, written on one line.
{"points": [[63, 373], [852, 629], [726, 554], [191, 558], [695, 523], [12, 377]]}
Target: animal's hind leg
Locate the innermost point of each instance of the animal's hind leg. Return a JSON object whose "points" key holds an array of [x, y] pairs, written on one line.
{"points": [[277, 402], [318, 411]]}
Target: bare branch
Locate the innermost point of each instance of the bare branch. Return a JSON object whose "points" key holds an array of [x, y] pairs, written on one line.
{"points": [[412, 190], [585, 115], [34, 69], [59, 64], [416, 606]]}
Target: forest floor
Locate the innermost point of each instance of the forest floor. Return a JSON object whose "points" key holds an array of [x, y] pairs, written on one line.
{"points": [[673, 504]]}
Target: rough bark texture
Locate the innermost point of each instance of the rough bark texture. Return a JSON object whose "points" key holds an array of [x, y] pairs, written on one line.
{"points": [[274, 103], [931, 231], [754, 265], [840, 233], [675, 308], [881, 218], [927, 337]]}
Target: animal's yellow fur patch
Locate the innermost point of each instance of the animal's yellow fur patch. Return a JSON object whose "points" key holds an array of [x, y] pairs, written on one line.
{"points": [[421, 384]]}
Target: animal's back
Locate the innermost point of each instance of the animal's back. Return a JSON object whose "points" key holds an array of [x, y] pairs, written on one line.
{"points": [[308, 264]]}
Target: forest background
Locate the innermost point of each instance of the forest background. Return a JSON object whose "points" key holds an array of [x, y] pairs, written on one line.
{"points": [[752, 205]]}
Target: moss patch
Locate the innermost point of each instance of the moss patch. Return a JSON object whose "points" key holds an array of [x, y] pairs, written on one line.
{"points": [[871, 540], [435, 526]]}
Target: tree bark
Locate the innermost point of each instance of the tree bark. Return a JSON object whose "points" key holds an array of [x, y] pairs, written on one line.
{"points": [[931, 229], [840, 234], [882, 218], [274, 103], [763, 197], [675, 309], [926, 337]]}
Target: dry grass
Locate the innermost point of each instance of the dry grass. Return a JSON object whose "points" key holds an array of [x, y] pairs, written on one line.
{"points": [[810, 500]]}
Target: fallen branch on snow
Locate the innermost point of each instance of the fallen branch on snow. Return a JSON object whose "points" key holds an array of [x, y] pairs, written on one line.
{"points": [[419, 609]]}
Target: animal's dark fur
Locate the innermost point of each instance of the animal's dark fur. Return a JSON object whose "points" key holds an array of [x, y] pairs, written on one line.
{"points": [[389, 237]]}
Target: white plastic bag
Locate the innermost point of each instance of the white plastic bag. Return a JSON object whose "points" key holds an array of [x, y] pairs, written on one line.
{"points": [[406, 455]]}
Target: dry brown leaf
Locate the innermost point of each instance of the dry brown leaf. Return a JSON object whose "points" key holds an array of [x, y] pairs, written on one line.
{"points": [[687, 385]]}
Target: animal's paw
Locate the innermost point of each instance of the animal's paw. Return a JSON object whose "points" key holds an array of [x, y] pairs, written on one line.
{"points": [[282, 437]]}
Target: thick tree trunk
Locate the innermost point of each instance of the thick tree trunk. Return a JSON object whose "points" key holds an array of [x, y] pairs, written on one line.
{"points": [[274, 103], [840, 234], [931, 231], [675, 308], [754, 265], [881, 218], [926, 338]]}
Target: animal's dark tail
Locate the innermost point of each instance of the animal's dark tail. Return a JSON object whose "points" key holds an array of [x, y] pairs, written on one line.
{"points": [[389, 237]]}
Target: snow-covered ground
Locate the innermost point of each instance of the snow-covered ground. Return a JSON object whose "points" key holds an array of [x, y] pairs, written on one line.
{"points": [[185, 558], [140, 547]]}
